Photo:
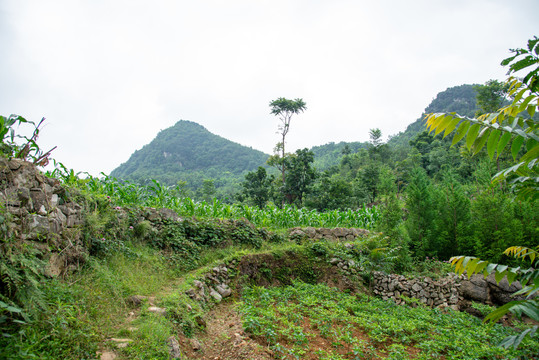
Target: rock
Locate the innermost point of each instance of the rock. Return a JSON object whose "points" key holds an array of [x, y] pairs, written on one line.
{"points": [[37, 225], [195, 344], [191, 293], [296, 233], [340, 232], [224, 290], [215, 295], [56, 265], [136, 300], [106, 355], [200, 321], [157, 310], [416, 287], [310, 232], [121, 343], [475, 288], [174, 348], [502, 293]]}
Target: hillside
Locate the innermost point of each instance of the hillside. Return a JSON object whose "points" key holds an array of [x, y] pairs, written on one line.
{"points": [[459, 99], [189, 152]]}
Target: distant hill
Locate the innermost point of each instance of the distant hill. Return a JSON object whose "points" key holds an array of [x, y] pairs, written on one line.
{"points": [[459, 99], [189, 152], [328, 155]]}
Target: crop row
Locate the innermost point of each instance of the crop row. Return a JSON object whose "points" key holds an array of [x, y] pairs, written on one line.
{"points": [[155, 194]]}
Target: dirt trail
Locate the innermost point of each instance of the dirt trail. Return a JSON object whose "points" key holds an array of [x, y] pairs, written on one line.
{"points": [[224, 338]]}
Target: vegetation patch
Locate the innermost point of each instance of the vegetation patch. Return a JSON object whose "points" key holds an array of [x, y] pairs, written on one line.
{"points": [[305, 321]]}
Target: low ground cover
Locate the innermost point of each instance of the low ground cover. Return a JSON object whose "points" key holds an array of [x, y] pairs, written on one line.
{"points": [[305, 321]]}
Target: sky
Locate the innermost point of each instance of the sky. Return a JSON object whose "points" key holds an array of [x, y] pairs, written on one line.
{"points": [[108, 75]]}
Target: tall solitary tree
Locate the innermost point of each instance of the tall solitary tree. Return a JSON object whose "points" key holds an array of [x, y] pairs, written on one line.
{"points": [[284, 109]]}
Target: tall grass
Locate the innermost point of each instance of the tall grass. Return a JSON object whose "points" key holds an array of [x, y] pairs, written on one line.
{"points": [[155, 194]]}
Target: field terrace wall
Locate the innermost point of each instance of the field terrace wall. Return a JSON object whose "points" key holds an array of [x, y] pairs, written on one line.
{"points": [[451, 291], [443, 292], [340, 234], [40, 212]]}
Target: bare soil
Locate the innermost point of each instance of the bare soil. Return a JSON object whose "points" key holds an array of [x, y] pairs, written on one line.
{"points": [[224, 338]]}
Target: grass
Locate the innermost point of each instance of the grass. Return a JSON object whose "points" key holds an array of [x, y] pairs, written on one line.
{"points": [[84, 309]]}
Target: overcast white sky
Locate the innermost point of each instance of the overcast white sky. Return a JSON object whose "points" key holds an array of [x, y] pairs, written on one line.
{"points": [[109, 74]]}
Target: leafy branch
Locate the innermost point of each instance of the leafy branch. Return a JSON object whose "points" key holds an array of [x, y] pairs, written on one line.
{"points": [[529, 279]]}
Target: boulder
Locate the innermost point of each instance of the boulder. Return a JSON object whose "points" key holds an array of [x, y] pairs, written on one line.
{"points": [[475, 288]]}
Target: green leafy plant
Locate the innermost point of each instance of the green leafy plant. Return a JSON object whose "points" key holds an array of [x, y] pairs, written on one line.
{"points": [[29, 149], [507, 125], [495, 131], [528, 277]]}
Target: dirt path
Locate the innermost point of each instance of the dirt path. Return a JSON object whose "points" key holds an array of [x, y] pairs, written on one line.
{"points": [[224, 338]]}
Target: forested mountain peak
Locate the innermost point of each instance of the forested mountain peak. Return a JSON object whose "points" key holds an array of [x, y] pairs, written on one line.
{"points": [[188, 152], [460, 99]]}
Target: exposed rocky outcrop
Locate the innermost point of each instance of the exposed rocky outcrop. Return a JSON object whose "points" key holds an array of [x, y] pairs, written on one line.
{"points": [[488, 291]]}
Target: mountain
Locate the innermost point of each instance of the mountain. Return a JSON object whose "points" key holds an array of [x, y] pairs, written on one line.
{"points": [[459, 99], [328, 155], [189, 152]]}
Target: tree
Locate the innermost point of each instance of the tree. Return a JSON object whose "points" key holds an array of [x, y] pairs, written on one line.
{"points": [[490, 97], [300, 176], [257, 186], [208, 189], [284, 109], [496, 130]]}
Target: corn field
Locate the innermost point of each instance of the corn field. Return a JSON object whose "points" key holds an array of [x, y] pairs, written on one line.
{"points": [[157, 195]]}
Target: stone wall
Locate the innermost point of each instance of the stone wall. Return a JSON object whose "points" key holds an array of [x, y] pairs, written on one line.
{"points": [[340, 234], [39, 205], [442, 293], [452, 290], [40, 213]]}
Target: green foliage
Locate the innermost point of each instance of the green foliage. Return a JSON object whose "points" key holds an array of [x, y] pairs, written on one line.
{"points": [[524, 58], [496, 130], [29, 149], [528, 277], [490, 97], [83, 309], [257, 187], [296, 319], [299, 176], [183, 242], [188, 152]]}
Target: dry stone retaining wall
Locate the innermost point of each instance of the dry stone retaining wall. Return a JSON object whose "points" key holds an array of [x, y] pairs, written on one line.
{"points": [[341, 234], [451, 290], [38, 204], [443, 292]]}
